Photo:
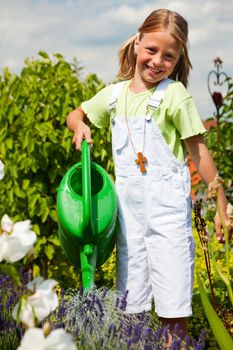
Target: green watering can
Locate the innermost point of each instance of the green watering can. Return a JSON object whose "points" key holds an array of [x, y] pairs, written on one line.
{"points": [[87, 216]]}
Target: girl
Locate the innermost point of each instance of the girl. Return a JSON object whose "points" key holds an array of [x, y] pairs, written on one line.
{"points": [[153, 121]]}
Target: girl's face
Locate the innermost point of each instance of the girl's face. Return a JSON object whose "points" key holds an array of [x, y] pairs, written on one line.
{"points": [[157, 54]]}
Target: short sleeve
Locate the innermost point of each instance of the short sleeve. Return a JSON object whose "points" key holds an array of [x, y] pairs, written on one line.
{"points": [[187, 120], [97, 109]]}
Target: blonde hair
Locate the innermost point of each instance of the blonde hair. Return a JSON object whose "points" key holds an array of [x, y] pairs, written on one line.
{"points": [[159, 20]]}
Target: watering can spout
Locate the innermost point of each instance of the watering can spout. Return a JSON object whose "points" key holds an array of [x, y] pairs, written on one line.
{"points": [[88, 256]]}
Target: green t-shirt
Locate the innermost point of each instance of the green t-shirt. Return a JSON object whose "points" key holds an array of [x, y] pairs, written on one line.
{"points": [[176, 116]]}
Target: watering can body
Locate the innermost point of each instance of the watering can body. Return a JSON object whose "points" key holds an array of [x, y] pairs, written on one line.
{"points": [[87, 213]]}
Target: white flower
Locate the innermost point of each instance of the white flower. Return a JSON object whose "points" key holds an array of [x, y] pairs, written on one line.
{"points": [[56, 340], [229, 209], [39, 305], [16, 239], [1, 170]]}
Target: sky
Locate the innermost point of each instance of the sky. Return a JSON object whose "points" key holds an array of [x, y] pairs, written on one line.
{"points": [[93, 31]]}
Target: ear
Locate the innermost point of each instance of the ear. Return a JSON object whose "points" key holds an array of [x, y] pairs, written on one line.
{"points": [[136, 43]]}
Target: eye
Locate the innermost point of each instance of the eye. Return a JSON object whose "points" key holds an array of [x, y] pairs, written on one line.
{"points": [[151, 50], [170, 56]]}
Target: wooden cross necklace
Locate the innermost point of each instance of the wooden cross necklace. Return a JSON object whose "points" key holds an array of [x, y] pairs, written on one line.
{"points": [[141, 160]]}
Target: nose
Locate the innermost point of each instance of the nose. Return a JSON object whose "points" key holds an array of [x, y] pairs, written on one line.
{"points": [[157, 59]]}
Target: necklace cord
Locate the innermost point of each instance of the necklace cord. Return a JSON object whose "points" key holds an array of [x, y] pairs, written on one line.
{"points": [[127, 124]]}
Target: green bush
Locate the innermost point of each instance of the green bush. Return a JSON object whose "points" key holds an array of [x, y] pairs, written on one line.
{"points": [[36, 147]]}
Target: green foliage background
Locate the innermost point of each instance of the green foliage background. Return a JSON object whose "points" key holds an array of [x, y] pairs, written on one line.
{"points": [[36, 148]]}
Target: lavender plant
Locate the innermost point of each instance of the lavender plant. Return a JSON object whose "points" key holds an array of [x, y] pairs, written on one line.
{"points": [[97, 321], [10, 331]]}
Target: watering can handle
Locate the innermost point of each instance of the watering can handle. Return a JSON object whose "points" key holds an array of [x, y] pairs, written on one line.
{"points": [[88, 251], [86, 186]]}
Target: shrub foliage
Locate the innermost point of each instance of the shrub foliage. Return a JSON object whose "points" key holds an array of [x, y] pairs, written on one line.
{"points": [[36, 146]]}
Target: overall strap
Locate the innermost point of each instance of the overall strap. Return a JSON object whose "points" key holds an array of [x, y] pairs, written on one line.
{"points": [[115, 93], [157, 96], [154, 100]]}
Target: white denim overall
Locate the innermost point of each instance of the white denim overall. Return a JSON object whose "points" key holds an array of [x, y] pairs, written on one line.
{"points": [[155, 246]]}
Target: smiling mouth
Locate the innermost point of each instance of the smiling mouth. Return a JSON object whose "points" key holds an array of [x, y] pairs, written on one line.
{"points": [[154, 70]]}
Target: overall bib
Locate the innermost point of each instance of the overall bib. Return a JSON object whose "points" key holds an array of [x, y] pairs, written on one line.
{"points": [[155, 246]]}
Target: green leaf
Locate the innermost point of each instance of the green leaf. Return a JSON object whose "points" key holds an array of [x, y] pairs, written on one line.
{"points": [[45, 113], [53, 215], [19, 193], [219, 284], [44, 214], [55, 240], [11, 271], [33, 199], [25, 184], [43, 54], [49, 251], [36, 228], [222, 336], [9, 143]]}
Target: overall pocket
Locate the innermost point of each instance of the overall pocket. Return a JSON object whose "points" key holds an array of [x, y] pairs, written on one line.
{"points": [[119, 144]]}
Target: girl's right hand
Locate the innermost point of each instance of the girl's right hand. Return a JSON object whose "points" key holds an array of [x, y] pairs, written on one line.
{"points": [[82, 132], [75, 122]]}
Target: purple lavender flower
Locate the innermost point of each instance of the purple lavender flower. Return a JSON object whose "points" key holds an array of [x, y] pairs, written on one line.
{"points": [[177, 329], [176, 344], [142, 316], [158, 334], [136, 335], [62, 310], [102, 341], [148, 332], [166, 333], [100, 306], [188, 342], [104, 293], [112, 330], [129, 330], [117, 302], [202, 337], [148, 347], [123, 301], [195, 343]]}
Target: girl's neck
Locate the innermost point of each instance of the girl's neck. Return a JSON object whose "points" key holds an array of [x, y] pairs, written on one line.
{"points": [[137, 85]]}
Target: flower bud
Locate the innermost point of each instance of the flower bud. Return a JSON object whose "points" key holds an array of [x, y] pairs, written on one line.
{"points": [[47, 328], [217, 98]]}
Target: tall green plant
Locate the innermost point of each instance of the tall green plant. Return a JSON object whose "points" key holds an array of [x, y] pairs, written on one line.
{"points": [[36, 147], [219, 140], [222, 336]]}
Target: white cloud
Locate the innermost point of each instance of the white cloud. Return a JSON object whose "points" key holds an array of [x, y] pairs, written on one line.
{"points": [[131, 15]]}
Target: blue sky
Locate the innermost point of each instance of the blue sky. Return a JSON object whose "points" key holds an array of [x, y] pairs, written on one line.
{"points": [[93, 31]]}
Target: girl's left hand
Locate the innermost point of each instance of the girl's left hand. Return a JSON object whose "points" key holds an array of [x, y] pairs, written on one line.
{"points": [[219, 228]]}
